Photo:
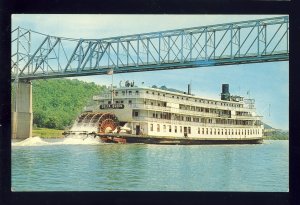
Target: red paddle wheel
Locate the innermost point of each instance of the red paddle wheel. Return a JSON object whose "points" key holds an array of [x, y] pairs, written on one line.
{"points": [[108, 122]]}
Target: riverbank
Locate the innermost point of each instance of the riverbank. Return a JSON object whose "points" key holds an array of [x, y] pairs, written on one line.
{"points": [[47, 133], [276, 137]]}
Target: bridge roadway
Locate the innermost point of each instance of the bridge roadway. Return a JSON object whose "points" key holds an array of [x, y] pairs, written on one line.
{"points": [[36, 55], [39, 56]]}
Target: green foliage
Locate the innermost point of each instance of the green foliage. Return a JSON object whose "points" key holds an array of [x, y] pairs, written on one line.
{"points": [[47, 133], [57, 102], [277, 135]]}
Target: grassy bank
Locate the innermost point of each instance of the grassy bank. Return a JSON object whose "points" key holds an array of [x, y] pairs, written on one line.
{"points": [[47, 133], [276, 137]]}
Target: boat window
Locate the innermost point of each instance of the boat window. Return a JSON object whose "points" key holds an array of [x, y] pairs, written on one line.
{"points": [[214, 131], [151, 103], [177, 97], [158, 93], [218, 131], [222, 132], [164, 95], [207, 131], [123, 92], [198, 130], [152, 93], [180, 129], [129, 101], [136, 113], [158, 128], [170, 128], [117, 101], [130, 92], [175, 129], [121, 101], [202, 130], [189, 130], [147, 91], [137, 92]]}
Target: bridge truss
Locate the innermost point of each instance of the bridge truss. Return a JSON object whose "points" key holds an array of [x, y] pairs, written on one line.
{"points": [[39, 56]]}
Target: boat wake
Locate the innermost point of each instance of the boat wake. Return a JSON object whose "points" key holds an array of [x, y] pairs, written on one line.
{"points": [[70, 140]]}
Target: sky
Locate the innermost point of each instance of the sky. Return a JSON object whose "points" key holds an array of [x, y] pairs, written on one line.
{"points": [[268, 83]]}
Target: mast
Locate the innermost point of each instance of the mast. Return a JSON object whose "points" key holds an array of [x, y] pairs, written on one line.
{"points": [[111, 72], [112, 87]]}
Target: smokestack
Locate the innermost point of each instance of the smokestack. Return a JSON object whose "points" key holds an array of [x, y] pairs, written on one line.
{"points": [[225, 95], [189, 89]]}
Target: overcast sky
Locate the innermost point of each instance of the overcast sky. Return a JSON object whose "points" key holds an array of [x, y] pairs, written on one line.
{"points": [[268, 83]]}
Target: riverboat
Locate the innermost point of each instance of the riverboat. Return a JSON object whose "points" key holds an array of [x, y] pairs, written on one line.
{"points": [[152, 115]]}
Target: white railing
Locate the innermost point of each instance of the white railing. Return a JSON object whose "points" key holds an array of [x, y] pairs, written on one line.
{"points": [[185, 123]]}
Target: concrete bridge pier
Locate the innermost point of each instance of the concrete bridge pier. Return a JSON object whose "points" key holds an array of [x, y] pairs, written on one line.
{"points": [[21, 116]]}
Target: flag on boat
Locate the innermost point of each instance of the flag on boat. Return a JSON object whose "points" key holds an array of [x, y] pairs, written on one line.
{"points": [[110, 72]]}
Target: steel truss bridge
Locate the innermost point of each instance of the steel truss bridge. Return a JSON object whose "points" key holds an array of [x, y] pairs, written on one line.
{"points": [[39, 56]]}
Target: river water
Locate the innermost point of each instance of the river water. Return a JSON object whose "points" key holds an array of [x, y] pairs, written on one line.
{"points": [[87, 165]]}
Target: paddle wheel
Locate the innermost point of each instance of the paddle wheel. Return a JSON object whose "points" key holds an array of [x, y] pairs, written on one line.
{"points": [[108, 122], [105, 125], [95, 122]]}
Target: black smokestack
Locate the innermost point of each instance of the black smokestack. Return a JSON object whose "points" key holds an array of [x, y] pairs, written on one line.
{"points": [[189, 89], [225, 95]]}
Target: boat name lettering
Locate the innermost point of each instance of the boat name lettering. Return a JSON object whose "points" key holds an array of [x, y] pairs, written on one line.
{"points": [[112, 106]]}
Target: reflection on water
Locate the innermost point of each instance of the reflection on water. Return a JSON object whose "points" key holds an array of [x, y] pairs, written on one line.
{"points": [[150, 167]]}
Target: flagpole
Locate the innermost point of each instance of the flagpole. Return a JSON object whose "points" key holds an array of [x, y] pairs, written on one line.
{"points": [[112, 88]]}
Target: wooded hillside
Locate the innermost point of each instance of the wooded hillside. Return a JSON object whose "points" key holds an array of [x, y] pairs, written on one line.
{"points": [[57, 102]]}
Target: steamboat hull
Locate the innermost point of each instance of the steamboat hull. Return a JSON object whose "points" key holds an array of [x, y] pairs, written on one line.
{"points": [[124, 139]]}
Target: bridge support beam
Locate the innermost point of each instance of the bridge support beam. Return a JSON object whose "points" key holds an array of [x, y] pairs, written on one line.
{"points": [[21, 118]]}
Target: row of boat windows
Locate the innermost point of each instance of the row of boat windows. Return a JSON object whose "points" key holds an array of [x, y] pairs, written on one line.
{"points": [[164, 128], [168, 116], [129, 92], [193, 108], [207, 131], [136, 92]]}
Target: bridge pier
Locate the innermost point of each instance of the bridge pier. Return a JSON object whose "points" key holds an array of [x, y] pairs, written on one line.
{"points": [[21, 116]]}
